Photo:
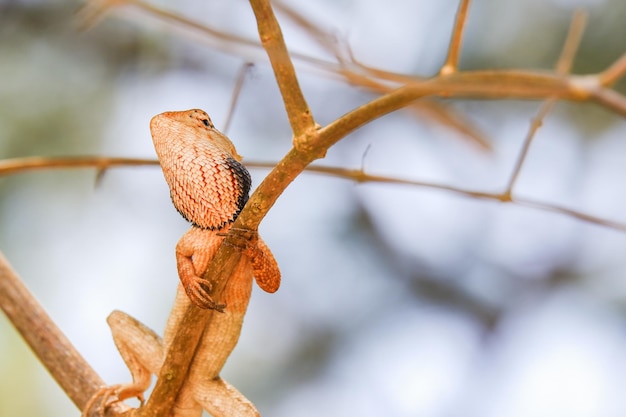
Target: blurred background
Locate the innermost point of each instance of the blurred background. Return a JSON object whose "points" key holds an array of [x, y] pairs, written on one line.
{"points": [[396, 300]]}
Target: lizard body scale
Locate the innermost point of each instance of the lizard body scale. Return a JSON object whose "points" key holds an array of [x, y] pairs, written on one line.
{"points": [[209, 187]]}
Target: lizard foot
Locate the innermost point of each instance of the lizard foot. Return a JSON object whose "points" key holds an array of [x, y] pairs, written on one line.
{"points": [[197, 290], [242, 239], [110, 395]]}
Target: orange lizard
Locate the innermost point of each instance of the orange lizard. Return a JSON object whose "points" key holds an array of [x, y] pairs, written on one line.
{"points": [[209, 187]]}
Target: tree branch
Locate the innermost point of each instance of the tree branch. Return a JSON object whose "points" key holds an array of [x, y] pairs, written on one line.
{"points": [[54, 350], [271, 36]]}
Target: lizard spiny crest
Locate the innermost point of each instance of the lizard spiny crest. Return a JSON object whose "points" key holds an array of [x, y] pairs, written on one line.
{"points": [[208, 184]]}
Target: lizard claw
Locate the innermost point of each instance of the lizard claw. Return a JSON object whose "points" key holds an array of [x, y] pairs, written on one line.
{"points": [[242, 239], [110, 395], [197, 290]]}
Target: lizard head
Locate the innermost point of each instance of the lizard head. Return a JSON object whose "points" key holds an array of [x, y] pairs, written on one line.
{"points": [[208, 184]]}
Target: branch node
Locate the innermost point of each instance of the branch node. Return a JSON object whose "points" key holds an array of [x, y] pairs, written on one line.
{"points": [[584, 86]]}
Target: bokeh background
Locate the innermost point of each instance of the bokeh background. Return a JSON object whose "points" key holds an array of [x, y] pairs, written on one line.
{"points": [[396, 300]]}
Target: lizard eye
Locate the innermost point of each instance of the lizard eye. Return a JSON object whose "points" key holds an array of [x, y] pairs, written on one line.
{"points": [[206, 122]]}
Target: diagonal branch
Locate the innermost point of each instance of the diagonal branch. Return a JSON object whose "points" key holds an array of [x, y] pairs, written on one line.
{"points": [[71, 371], [271, 36]]}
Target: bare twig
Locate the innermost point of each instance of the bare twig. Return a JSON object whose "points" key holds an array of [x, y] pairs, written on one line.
{"points": [[29, 164], [223, 41], [536, 123], [94, 10], [610, 99], [319, 35], [563, 66], [454, 50], [450, 118], [571, 213], [34, 163], [360, 176], [241, 77], [572, 42], [613, 73]]}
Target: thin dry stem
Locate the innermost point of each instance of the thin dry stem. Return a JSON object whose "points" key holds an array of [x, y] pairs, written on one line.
{"points": [[436, 110], [92, 12], [563, 66], [35, 163], [613, 73], [30, 164], [536, 123], [249, 49], [241, 77], [572, 42], [322, 37], [450, 118], [454, 50], [360, 176]]}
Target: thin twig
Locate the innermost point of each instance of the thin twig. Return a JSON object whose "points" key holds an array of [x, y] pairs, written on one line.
{"points": [[563, 66], [452, 119], [35, 163], [571, 213], [360, 176], [241, 77], [321, 37], [225, 42], [454, 50], [614, 72], [572, 42], [19, 165], [610, 99], [536, 123]]}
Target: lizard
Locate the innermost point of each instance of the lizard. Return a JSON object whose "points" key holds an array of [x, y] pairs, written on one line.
{"points": [[209, 187]]}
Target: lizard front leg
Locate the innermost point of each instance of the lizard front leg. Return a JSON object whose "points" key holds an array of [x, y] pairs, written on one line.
{"points": [[194, 252]]}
